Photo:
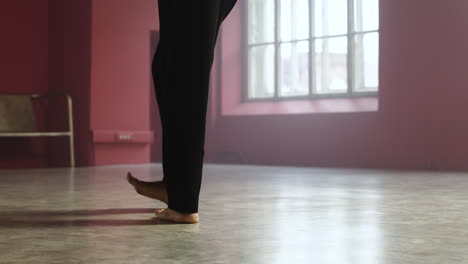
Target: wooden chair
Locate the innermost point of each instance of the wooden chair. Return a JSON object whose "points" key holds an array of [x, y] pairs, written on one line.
{"points": [[17, 117]]}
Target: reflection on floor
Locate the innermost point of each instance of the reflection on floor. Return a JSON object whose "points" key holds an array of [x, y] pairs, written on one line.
{"points": [[248, 214]]}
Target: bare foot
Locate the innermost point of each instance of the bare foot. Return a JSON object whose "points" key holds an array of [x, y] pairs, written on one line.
{"points": [[155, 190], [174, 216]]}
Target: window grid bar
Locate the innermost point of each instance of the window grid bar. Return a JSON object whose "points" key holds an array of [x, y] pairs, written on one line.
{"points": [[325, 57], [312, 77], [318, 96], [358, 52], [314, 38], [351, 55], [246, 90], [277, 48]]}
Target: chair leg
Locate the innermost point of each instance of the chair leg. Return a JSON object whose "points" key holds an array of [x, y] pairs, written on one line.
{"points": [[72, 152]]}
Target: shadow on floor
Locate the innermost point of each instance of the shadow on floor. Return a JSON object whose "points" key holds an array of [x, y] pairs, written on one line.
{"points": [[40, 213], [46, 218]]}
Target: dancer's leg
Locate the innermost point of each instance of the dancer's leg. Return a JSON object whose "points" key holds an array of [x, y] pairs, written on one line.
{"points": [[160, 84], [181, 70], [155, 189], [190, 50], [160, 67]]}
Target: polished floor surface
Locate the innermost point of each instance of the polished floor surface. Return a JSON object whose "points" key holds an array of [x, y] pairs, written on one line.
{"points": [[248, 214]]}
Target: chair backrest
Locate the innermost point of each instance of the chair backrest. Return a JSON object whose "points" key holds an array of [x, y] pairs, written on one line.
{"points": [[16, 113]]}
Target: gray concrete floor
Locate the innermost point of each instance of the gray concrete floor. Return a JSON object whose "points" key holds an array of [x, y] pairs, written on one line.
{"points": [[248, 214]]}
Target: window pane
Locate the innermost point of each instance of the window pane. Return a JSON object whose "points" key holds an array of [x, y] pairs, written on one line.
{"points": [[366, 15], [261, 71], [331, 17], [261, 21], [367, 62], [331, 65], [294, 69], [294, 19]]}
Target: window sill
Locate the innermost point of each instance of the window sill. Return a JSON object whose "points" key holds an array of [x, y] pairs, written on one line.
{"points": [[341, 105]]}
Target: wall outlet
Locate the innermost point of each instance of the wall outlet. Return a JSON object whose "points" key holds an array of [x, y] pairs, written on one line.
{"points": [[124, 137]]}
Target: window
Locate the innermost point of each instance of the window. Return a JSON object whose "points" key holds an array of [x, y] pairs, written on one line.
{"points": [[343, 36]]}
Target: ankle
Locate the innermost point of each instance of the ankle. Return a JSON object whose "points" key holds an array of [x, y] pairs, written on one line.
{"points": [[191, 218]]}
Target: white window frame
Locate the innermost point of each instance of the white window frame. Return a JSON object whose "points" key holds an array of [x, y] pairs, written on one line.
{"points": [[350, 93]]}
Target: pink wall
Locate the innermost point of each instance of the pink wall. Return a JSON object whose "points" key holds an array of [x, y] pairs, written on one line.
{"points": [[422, 118], [121, 80], [23, 69], [69, 70], [99, 50], [122, 96], [24, 31], [100, 54]]}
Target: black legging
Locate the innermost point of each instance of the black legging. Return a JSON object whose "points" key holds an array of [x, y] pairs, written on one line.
{"points": [[181, 72]]}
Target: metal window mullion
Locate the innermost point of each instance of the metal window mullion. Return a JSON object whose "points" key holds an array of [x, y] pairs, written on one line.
{"points": [[294, 47], [312, 77], [277, 47], [358, 13], [351, 55], [359, 82], [315, 38], [325, 47], [247, 69], [306, 39], [318, 96]]}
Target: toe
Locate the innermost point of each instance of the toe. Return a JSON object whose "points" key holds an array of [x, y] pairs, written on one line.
{"points": [[158, 211], [129, 176], [132, 180]]}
